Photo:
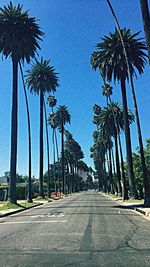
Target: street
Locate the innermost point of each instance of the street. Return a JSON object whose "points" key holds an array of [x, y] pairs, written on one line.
{"points": [[86, 229]]}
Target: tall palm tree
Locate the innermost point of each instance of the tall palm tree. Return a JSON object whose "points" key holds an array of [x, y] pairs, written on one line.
{"points": [[63, 116], [53, 123], [42, 79], [52, 103], [48, 153], [111, 61], [19, 37], [107, 91], [145, 11], [146, 23], [29, 196]]}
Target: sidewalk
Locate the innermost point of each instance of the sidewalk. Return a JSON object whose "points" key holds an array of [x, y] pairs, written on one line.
{"points": [[137, 205]]}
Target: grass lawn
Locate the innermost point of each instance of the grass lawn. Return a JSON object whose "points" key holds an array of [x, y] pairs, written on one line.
{"points": [[131, 200], [20, 204]]}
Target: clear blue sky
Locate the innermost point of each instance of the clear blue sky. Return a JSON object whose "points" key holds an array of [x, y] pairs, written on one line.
{"points": [[72, 28]]}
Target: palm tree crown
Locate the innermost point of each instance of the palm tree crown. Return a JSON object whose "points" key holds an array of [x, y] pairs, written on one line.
{"points": [[63, 116], [111, 116], [19, 34], [107, 90], [51, 101], [42, 76], [110, 59]]}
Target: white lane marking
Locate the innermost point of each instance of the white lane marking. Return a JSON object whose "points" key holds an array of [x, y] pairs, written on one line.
{"points": [[62, 221], [56, 214]]}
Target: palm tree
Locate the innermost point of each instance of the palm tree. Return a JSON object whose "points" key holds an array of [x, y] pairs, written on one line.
{"points": [[107, 91], [48, 153], [146, 23], [29, 196], [42, 79], [52, 103], [19, 37], [63, 116], [53, 123], [111, 61]]}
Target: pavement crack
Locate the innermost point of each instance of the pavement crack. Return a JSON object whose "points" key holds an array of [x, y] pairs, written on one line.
{"points": [[126, 243]]}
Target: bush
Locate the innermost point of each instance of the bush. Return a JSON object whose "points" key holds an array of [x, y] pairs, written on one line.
{"points": [[21, 191]]}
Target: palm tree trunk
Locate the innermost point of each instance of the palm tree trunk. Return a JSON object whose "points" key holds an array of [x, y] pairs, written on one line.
{"points": [[118, 166], [57, 151], [115, 188], [62, 160], [29, 197], [14, 132], [48, 154], [54, 158], [41, 146], [144, 169], [110, 161], [125, 191], [133, 190], [146, 23]]}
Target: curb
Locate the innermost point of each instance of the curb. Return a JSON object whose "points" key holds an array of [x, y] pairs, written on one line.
{"points": [[146, 213], [19, 210], [140, 210]]}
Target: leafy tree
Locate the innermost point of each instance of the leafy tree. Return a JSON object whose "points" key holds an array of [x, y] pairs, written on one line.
{"points": [[42, 79], [19, 37], [138, 167]]}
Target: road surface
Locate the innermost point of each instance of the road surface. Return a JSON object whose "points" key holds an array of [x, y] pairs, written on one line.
{"points": [[86, 229]]}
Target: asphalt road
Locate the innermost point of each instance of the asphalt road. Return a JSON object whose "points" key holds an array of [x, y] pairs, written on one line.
{"points": [[86, 229]]}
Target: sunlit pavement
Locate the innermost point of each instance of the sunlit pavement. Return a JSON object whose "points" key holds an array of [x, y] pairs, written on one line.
{"points": [[87, 229]]}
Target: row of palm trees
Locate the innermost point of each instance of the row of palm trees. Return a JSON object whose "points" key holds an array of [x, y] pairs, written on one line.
{"points": [[110, 123], [74, 167], [118, 56], [20, 37]]}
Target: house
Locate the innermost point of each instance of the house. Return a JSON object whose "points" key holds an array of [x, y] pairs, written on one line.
{"points": [[5, 179]]}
